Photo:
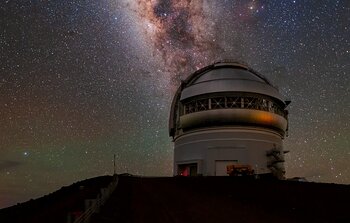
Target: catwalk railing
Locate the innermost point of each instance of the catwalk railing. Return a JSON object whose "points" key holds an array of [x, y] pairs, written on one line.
{"points": [[93, 205], [234, 102]]}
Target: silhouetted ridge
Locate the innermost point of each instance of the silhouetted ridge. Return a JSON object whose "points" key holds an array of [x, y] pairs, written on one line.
{"points": [[189, 199], [224, 199], [54, 207]]}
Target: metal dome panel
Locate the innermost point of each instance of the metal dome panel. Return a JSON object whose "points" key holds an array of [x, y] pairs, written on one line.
{"points": [[228, 73], [229, 85]]}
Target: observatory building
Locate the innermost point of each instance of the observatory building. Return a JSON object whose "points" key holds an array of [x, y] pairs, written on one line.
{"points": [[228, 114]]}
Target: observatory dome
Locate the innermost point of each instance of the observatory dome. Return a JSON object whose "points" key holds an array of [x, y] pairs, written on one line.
{"points": [[227, 77], [228, 114], [227, 94]]}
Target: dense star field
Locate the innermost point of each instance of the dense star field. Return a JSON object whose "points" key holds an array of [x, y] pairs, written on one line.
{"points": [[83, 80]]}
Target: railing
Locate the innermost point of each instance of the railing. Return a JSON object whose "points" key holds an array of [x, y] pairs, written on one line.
{"points": [[236, 102], [93, 205]]}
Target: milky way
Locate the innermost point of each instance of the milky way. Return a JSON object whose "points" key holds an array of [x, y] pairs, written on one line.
{"points": [[180, 32], [81, 81]]}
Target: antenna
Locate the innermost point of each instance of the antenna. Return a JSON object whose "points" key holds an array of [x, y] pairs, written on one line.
{"points": [[114, 165]]}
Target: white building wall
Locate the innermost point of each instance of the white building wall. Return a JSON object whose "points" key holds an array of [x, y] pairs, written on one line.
{"points": [[236, 144]]}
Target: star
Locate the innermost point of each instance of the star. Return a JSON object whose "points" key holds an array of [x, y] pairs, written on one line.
{"points": [[97, 79]]}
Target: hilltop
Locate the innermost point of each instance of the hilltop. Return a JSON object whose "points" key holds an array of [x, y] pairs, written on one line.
{"points": [[192, 199]]}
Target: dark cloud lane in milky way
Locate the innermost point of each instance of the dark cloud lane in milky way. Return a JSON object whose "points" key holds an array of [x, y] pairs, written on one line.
{"points": [[181, 32], [81, 81], [8, 164]]}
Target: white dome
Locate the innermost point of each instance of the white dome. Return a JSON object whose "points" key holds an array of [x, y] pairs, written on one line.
{"points": [[227, 94], [227, 77], [226, 114]]}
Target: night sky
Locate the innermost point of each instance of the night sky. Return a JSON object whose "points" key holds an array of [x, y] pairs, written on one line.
{"points": [[83, 80]]}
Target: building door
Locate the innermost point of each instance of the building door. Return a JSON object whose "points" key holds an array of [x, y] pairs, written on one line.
{"points": [[220, 166], [189, 169]]}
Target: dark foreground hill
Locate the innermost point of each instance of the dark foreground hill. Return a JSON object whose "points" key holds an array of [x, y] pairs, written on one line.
{"points": [[224, 199], [212, 199], [55, 207]]}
